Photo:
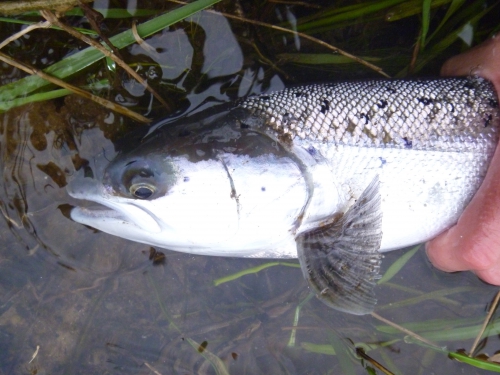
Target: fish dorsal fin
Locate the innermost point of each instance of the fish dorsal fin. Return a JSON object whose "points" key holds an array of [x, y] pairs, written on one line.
{"points": [[340, 260]]}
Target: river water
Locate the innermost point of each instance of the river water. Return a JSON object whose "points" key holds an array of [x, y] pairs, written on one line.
{"points": [[77, 301]]}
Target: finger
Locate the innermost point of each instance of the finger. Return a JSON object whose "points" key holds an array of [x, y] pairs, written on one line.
{"points": [[474, 242], [482, 60], [491, 275]]}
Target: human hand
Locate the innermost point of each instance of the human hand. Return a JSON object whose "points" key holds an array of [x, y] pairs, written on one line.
{"points": [[474, 242]]}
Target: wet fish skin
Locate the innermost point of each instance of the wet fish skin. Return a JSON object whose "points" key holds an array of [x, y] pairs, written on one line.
{"points": [[330, 173], [452, 114]]}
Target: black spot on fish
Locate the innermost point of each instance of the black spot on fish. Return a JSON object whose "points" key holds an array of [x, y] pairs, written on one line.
{"points": [[382, 103], [488, 120], [451, 107], [365, 116], [408, 143], [298, 94], [311, 150], [288, 119], [425, 101], [265, 97], [183, 133], [468, 85], [390, 89], [325, 106], [186, 179], [244, 126], [493, 103], [263, 188], [382, 160]]}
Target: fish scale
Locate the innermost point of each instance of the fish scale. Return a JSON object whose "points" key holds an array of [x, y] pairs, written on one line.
{"points": [[451, 114]]}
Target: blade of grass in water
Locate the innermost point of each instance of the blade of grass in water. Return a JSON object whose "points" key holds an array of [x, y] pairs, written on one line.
{"points": [[410, 8], [21, 22], [476, 362], [398, 265], [426, 20], [40, 97], [349, 14], [291, 341], [318, 348], [329, 350], [114, 12], [343, 353], [427, 296], [88, 56], [319, 58], [454, 6], [215, 361], [463, 333], [5, 106], [251, 270], [454, 334], [470, 15], [431, 325]]}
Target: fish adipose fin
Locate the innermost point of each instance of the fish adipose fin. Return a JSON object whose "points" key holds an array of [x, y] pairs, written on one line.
{"points": [[340, 260]]}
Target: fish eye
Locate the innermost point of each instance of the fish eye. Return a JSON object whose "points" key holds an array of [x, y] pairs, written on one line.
{"points": [[142, 191]]}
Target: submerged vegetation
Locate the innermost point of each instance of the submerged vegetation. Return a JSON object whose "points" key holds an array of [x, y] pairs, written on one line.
{"points": [[434, 28], [168, 47]]}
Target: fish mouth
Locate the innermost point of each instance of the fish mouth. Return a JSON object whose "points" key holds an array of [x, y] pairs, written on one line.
{"points": [[112, 213]]}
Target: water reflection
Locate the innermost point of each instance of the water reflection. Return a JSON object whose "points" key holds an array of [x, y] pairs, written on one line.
{"points": [[93, 303]]}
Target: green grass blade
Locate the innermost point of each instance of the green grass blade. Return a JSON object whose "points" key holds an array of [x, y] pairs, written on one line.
{"points": [[88, 56], [350, 14], [446, 41], [5, 106], [454, 6], [114, 12], [296, 317], [410, 8], [398, 265], [318, 348], [463, 333], [343, 355], [107, 13], [479, 363], [447, 334], [426, 20], [319, 58], [21, 22], [216, 362], [427, 296], [40, 97], [251, 270], [431, 325]]}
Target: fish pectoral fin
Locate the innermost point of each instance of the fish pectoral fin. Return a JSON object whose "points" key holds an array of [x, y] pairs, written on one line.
{"points": [[341, 260]]}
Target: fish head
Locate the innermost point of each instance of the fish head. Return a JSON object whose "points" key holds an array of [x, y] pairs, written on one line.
{"points": [[175, 190]]}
